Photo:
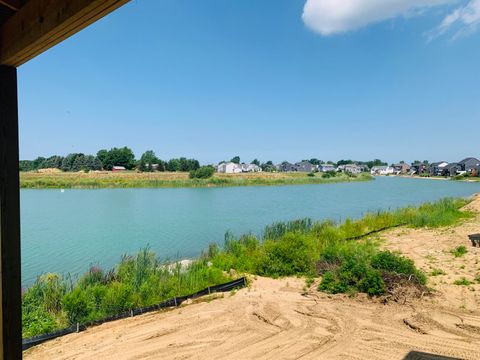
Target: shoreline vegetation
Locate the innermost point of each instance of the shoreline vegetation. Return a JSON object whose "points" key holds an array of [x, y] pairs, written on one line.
{"points": [[132, 179], [344, 256]]}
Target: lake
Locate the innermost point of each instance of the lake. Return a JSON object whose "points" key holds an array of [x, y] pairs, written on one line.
{"points": [[66, 232]]}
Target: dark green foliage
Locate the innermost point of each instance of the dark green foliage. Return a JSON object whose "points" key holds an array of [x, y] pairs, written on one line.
{"points": [[459, 251], [117, 157], [236, 159], [329, 174], [279, 229], [394, 262], [182, 164], [148, 160], [137, 281], [292, 254], [268, 166], [463, 282], [204, 172]]}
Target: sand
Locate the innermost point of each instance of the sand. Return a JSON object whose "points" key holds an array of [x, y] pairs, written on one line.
{"points": [[280, 319]]}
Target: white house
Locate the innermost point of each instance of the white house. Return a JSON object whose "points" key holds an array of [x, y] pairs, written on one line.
{"points": [[232, 168], [251, 168], [326, 167], [382, 170], [229, 168]]}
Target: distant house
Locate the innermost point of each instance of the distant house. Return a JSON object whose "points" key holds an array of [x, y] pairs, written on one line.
{"points": [[229, 168], [469, 164], [233, 168], [305, 166], [452, 169], [382, 170], [418, 169], [402, 168], [352, 169], [437, 168], [251, 168], [286, 167], [326, 167], [118, 168]]}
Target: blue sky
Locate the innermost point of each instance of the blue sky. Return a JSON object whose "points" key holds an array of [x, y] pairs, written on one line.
{"points": [[272, 79]]}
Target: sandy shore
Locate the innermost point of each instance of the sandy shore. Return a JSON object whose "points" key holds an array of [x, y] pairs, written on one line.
{"points": [[278, 319]]}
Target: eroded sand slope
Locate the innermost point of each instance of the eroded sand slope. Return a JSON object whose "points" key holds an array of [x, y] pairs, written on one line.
{"points": [[274, 319]]}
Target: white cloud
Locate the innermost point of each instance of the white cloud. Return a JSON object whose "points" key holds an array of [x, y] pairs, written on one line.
{"points": [[462, 21], [330, 17]]}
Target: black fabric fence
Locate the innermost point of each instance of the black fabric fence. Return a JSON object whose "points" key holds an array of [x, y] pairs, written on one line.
{"points": [[176, 301]]}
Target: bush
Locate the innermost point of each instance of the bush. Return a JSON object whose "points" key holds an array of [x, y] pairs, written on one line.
{"points": [[393, 262], [329, 174], [293, 254], [437, 272], [204, 172], [459, 251], [462, 282]]}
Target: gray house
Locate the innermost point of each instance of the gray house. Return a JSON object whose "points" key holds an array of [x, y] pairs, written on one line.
{"points": [[437, 168], [286, 167], [452, 169], [469, 164], [305, 166]]}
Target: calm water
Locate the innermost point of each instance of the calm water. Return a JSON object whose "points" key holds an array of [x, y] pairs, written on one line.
{"points": [[67, 232]]}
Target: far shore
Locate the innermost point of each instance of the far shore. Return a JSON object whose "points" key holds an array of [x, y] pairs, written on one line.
{"points": [[131, 179]]}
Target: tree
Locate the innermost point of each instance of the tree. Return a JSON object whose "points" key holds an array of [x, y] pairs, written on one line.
{"points": [[315, 161], [182, 164], [256, 162], [148, 159], [268, 166], [102, 156], [203, 172], [117, 157], [236, 159]]}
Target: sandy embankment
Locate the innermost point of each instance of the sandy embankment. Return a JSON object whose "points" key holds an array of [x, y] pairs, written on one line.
{"points": [[274, 319]]}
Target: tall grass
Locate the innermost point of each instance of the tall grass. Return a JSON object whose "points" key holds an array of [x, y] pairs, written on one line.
{"points": [[32, 180], [341, 252], [54, 302]]}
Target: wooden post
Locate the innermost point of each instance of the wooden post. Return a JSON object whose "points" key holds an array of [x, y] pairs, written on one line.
{"points": [[10, 286]]}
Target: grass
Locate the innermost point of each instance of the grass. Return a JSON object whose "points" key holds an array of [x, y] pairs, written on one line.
{"points": [[54, 302], [462, 282], [92, 180], [343, 254], [437, 272], [459, 251]]}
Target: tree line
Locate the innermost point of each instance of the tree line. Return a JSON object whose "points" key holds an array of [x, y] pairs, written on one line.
{"points": [[107, 159]]}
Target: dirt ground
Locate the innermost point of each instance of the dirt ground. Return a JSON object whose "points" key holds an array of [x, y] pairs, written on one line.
{"points": [[278, 319]]}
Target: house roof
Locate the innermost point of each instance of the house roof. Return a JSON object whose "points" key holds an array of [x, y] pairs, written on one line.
{"points": [[468, 159]]}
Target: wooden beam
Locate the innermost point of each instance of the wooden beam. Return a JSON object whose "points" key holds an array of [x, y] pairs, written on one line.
{"points": [[41, 24], [12, 4], [10, 280]]}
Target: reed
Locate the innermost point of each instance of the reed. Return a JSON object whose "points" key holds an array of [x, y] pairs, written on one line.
{"points": [[93, 180]]}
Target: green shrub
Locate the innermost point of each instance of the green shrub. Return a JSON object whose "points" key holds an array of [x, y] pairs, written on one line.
{"points": [[437, 272], [293, 254], [462, 282], [393, 262], [76, 306], [459, 251], [37, 321], [204, 172]]}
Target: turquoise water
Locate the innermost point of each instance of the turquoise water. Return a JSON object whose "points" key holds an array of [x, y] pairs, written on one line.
{"points": [[66, 232]]}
